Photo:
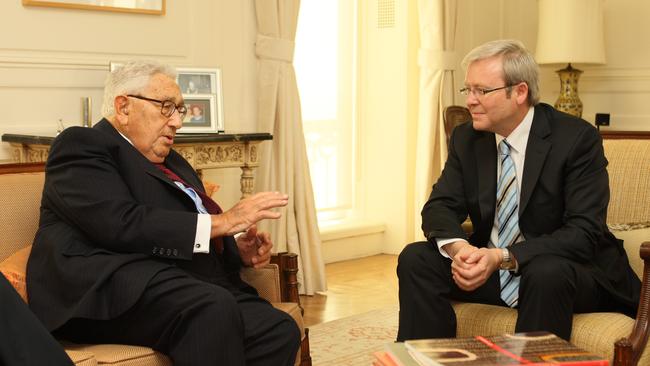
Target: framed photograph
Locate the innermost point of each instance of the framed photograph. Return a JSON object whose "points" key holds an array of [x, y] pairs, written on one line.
{"points": [[198, 86], [202, 114], [156, 7], [199, 81]]}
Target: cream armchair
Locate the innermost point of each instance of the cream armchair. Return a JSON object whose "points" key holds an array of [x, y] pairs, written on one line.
{"points": [[21, 187]]}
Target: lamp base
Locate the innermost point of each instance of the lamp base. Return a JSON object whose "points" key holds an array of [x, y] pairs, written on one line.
{"points": [[568, 101]]}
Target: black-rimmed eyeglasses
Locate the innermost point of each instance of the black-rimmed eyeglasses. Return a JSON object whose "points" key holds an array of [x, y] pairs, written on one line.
{"points": [[167, 107], [479, 92]]}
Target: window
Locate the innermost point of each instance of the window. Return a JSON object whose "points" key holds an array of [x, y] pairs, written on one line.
{"points": [[324, 63]]}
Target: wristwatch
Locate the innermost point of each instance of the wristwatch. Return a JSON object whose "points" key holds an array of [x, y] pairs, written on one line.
{"points": [[507, 263]]}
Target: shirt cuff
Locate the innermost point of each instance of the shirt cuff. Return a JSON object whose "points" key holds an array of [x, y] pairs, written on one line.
{"points": [[202, 237], [442, 242]]}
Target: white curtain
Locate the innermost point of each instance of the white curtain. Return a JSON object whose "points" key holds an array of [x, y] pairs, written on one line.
{"points": [[284, 166], [437, 60]]}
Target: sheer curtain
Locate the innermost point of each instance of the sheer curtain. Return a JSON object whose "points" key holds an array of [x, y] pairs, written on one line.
{"points": [[284, 166], [437, 60]]}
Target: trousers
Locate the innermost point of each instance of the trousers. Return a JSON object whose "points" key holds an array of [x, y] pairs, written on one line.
{"points": [[551, 290], [197, 323]]}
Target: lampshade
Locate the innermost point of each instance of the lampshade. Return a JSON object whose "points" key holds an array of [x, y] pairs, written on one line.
{"points": [[570, 31]]}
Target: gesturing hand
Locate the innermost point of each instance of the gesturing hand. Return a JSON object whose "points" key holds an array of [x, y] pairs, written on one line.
{"points": [[248, 212], [254, 248]]}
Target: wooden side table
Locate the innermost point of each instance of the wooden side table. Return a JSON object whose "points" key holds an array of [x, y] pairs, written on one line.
{"points": [[202, 151]]}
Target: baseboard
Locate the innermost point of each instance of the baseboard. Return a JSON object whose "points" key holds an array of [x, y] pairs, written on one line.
{"points": [[351, 240]]}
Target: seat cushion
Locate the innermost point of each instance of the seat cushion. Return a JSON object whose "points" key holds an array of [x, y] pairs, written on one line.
{"points": [[595, 332], [115, 354], [14, 268]]}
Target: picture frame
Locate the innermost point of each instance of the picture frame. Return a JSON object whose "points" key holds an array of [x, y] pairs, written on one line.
{"points": [[153, 7], [197, 86], [202, 114]]}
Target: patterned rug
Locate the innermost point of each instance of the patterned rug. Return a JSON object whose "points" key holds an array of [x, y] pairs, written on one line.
{"points": [[351, 341]]}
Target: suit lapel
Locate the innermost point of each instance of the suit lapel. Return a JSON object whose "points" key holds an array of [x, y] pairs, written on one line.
{"points": [[536, 153], [486, 160], [105, 126]]}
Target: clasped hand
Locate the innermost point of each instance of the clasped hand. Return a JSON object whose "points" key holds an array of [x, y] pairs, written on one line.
{"points": [[471, 267], [255, 248]]}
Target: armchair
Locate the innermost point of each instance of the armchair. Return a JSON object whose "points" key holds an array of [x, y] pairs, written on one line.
{"points": [[21, 187]]}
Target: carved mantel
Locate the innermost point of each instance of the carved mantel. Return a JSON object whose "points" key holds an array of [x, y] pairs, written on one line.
{"points": [[202, 151]]}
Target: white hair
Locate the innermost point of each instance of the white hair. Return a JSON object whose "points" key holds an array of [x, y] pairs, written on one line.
{"points": [[131, 78], [518, 64]]}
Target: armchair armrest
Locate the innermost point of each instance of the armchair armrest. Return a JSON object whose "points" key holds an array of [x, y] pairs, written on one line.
{"points": [[288, 264], [627, 351]]}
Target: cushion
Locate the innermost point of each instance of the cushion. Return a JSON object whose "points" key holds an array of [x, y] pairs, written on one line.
{"points": [[14, 268], [210, 187], [115, 354]]}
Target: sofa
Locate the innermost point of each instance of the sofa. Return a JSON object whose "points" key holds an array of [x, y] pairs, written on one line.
{"points": [[21, 187], [619, 338]]}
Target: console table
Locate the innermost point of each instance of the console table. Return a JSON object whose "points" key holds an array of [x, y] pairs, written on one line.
{"points": [[202, 151]]}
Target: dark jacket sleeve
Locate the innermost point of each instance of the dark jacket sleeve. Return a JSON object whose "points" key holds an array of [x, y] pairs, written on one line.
{"points": [[446, 207]]}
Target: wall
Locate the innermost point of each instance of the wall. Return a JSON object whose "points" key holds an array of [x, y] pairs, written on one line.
{"points": [[621, 87], [52, 57]]}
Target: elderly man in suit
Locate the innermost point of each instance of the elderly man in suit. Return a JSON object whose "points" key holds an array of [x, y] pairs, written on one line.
{"points": [[534, 183], [130, 250]]}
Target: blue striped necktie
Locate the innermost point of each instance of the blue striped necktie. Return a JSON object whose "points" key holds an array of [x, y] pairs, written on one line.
{"points": [[507, 220]]}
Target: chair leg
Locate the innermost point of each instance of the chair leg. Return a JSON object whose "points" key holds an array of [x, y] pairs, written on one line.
{"points": [[305, 356]]}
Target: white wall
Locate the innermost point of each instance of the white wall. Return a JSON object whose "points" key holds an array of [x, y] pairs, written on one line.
{"points": [[621, 87], [52, 57]]}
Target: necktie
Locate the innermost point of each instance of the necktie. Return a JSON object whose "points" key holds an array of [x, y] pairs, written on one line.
{"points": [[507, 220], [209, 204]]}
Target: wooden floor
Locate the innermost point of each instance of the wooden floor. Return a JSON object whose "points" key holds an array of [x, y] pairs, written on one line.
{"points": [[354, 287]]}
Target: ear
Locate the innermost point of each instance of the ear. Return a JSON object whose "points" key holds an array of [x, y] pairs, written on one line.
{"points": [[521, 93], [121, 106]]}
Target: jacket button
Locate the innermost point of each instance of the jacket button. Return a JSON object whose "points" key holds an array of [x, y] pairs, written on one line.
{"points": [[175, 252], [155, 250], [168, 252]]}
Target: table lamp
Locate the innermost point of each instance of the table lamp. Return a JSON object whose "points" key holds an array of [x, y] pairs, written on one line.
{"points": [[570, 32]]}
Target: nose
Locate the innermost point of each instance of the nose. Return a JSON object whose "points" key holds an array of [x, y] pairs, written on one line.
{"points": [[175, 120], [471, 100]]}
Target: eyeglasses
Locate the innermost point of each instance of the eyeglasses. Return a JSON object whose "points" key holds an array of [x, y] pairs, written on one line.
{"points": [[479, 92], [167, 107]]}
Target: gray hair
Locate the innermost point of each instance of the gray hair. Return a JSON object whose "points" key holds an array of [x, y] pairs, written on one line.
{"points": [[518, 64], [131, 78]]}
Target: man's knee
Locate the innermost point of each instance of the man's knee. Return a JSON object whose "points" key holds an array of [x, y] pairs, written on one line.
{"points": [[548, 273], [217, 308], [414, 257]]}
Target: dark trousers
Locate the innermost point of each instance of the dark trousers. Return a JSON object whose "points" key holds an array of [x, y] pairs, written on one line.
{"points": [[24, 341], [197, 323], [551, 290]]}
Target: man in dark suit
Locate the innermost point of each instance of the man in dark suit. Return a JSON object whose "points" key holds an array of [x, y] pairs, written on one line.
{"points": [[534, 183], [25, 341], [130, 250]]}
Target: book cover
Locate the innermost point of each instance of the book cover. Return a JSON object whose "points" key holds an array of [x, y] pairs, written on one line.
{"points": [[530, 349]]}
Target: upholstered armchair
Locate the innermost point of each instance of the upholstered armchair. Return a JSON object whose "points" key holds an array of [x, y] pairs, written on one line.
{"points": [[21, 187]]}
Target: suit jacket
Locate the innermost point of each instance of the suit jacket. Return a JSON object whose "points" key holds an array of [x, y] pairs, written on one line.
{"points": [[563, 200], [110, 220]]}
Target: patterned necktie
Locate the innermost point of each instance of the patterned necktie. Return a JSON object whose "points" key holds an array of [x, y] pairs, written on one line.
{"points": [[507, 220], [210, 205]]}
